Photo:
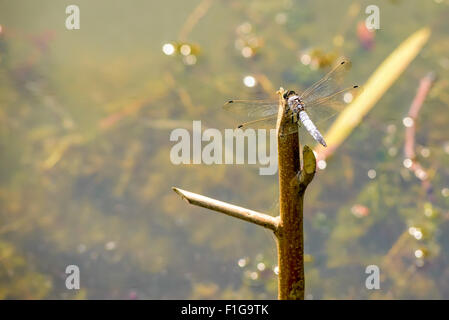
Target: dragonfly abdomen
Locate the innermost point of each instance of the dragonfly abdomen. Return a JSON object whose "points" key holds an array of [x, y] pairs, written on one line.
{"points": [[311, 128]]}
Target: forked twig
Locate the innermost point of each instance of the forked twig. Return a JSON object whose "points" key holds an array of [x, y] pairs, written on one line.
{"points": [[288, 226]]}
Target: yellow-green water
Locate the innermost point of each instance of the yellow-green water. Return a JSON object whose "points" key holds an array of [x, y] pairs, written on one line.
{"points": [[85, 172]]}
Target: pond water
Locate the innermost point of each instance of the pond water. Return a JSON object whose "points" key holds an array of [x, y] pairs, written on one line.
{"points": [[85, 173]]}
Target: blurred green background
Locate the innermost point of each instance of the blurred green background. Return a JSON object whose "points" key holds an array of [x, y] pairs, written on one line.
{"points": [[85, 172]]}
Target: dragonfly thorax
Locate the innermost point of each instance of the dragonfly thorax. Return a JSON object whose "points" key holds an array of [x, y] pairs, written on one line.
{"points": [[295, 103]]}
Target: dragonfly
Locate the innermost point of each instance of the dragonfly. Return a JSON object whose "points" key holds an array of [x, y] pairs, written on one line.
{"points": [[318, 103]]}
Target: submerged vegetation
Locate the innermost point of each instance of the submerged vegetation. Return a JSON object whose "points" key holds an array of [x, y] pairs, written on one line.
{"points": [[85, 173]]}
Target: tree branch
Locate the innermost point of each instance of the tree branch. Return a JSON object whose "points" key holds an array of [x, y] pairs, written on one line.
{"points": [[305, 176], [288, 226], [409, 148], [255, 217], [290, 236]]}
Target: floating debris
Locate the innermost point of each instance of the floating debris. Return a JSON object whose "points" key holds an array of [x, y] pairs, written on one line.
{"points": [[360, 211], [365, 36]]}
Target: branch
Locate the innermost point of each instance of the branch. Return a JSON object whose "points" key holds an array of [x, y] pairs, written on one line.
{"points": [[305, 176], [255, 217], [290, 236], [193, 18], [409, 148]]}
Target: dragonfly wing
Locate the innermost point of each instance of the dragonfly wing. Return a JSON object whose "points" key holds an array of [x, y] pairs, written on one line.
{"points": [[252, 108], [324, 108], [304, 136], [264, 123], [329, 84]]}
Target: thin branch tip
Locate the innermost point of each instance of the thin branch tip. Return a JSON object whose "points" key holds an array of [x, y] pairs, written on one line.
{"points": [[181, 193], [248, 215]]}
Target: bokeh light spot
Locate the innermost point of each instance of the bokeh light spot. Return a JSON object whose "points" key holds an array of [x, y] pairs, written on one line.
{"points": [[306, 59], [445, 192], [407, 122], [254, 275], [281, 18], [419, 253], [168, 49], [247, 52], [276, 270], [348, 97], [242, 262], [190, 60], [322, 164], [185, 50], [407, 163], [249, 81], [425, 152]]}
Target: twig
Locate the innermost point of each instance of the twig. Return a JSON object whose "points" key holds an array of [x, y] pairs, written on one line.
{"points": [[265, 83], [395, 249], [255, 217], [409, 152], [308, 170], [135, 106], [193, 18], [288, 226], [409, 147], [292, 185]]}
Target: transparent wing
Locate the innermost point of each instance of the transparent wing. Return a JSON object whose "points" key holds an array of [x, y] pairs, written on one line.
{"points": [[303, 135], [324, 108], [305, 138], [252, 108], [264, 123], [329, 84]]}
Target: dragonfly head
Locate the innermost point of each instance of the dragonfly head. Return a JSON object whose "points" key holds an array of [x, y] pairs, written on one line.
{"points": [[289, 93], [293, 101]]}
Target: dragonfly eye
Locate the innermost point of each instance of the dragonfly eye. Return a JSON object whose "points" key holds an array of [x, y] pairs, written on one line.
{"points": [[289, 93]]}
